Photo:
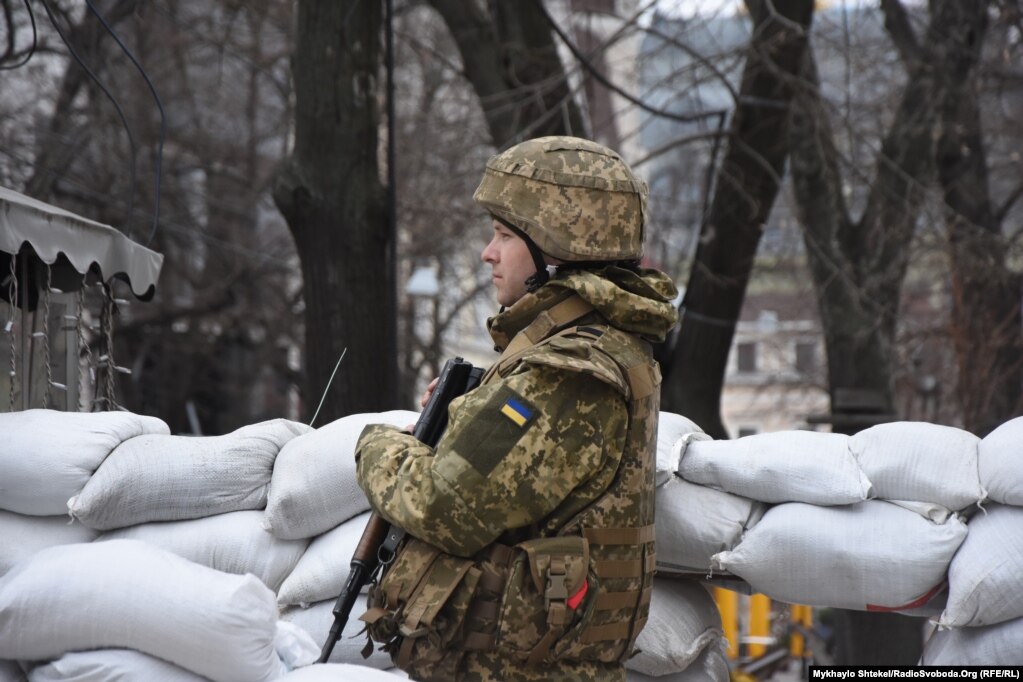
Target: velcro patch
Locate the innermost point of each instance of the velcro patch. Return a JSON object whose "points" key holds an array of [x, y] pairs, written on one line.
{"points": [[497, 427], [516, 411]]}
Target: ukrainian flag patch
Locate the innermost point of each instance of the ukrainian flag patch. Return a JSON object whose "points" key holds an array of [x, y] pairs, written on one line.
{"points": [[517, 411], [487, 438]]}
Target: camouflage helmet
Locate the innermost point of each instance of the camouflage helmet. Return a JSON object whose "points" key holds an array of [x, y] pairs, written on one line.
{"points": [[576, 199]]}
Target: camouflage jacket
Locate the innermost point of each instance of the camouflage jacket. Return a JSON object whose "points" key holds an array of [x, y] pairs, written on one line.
{"points": [[529, 452]]}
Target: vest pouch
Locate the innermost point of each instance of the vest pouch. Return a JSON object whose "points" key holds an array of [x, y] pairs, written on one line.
{"points": [[545, 577], [420, 604]]}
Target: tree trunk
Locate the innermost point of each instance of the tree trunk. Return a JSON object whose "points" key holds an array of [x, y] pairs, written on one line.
{"points": [[986, 324], [512, 63], [747, 187], [858, 268], [331, 195]]}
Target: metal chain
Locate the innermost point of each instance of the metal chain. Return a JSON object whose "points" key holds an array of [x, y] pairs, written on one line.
{"points": [[46, 337], [12, 293], [107, 326], [83, 343]]}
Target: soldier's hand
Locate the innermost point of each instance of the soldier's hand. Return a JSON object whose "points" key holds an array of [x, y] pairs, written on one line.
{"points": [[428, 392]]}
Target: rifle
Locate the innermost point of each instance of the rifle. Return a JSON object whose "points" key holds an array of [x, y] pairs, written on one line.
{"points": [[379, 542]]}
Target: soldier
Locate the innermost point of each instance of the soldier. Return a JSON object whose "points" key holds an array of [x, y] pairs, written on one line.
{"points": [[530, 551]]}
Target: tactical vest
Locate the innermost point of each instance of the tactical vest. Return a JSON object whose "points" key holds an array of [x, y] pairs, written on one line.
{"points": [[577, 591]]}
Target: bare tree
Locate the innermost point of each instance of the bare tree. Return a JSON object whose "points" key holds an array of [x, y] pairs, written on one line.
{"points": [[748, 183], [218, 332], [510, 58], [987, 329], [331, 195], [859, 265]]}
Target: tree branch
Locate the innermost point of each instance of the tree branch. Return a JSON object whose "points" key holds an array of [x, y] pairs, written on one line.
{"points": [[896, 22]]}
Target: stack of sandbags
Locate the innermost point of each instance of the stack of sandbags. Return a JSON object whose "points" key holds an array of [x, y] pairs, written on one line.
{"points": [[683, 639], [47, 457], [315, 496], [870, 556], [863, 522], [172, 478], [314, 486], [694, 522], [126, 594], [234, 542], [323, 568], [203, 499], [983, 619]]}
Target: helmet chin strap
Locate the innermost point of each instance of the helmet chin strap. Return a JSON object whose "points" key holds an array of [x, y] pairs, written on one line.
{"points": [[543, 271]]}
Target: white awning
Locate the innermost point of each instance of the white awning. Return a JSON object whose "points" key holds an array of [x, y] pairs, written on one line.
{"points": [[86, 244]]}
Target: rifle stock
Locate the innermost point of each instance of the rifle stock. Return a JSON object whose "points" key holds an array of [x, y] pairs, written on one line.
{"points": [[380, 540]]}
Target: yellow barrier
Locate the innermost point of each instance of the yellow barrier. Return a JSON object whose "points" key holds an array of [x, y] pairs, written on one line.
{"points": [[802, 616], [759, 625], [754, 627], [728, 605]]}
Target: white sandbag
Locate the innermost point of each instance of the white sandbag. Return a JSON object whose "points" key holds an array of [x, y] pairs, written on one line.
{"points": [[693, 523], [111, 665], [683, 621], [47, 456], [920, 462], [868, 556], [709, 666], [22, 536], [338, 672], [985, 580], [294, 646], [128, 594], [235, 542], [672, 428], [930, 511], [1000, 644], [317, 619], [172, 478], [314, 487], [10, 671], [1001, 463], [323, 569], [787, 466]]}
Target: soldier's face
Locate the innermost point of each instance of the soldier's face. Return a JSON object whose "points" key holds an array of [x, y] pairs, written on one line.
{"points": [[510, 262]]}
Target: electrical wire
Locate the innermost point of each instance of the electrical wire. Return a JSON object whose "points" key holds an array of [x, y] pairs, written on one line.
{"points": [[113, 100], [35, 40], [606, 82], [159, 105]]}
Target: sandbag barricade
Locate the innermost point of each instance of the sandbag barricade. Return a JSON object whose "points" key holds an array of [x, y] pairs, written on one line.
{"points": [[128, 594], [314, 487], [234, 542], [171, 478], [1000, 644], [47, 457], [294, 511]]}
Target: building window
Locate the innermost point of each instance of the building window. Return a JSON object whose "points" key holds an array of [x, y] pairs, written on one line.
{"points": [[747, 357], [806, 357]]}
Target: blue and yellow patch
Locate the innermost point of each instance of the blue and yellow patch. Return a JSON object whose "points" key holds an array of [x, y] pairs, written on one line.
{"points": [[489, 434], [516, 411]]}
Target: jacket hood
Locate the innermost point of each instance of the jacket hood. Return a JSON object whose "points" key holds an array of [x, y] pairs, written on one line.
{"points": [[638, 302]]}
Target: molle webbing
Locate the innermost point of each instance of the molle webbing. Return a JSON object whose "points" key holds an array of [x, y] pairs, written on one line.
{"points": [[620, 536]]}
